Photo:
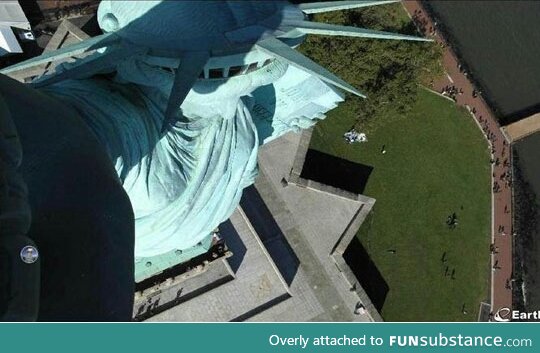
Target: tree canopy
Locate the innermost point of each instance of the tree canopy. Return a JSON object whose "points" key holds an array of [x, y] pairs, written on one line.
{"points": [[388, 72]]}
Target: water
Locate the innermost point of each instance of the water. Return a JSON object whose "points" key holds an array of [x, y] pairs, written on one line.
{"points": [[527, 223], [500, 43]]}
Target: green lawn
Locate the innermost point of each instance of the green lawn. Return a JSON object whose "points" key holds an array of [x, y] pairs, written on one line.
{"points": [[437, 162]]}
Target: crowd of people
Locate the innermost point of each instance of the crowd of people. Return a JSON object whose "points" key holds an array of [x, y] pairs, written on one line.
{"points": [[452, 92], [502, 175]]}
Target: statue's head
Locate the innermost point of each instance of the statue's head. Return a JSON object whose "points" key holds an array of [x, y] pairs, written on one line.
{"points": [[218, 26], [227, 31]]}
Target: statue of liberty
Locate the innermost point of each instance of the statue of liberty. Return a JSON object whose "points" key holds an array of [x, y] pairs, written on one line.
{"points": [[136, 153]]}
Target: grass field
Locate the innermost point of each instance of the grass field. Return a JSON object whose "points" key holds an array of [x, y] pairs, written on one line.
{"points": [[436, 163]]}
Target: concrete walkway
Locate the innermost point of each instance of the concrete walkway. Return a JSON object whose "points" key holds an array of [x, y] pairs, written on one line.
{"points": [[523, 128], [456, 85]]}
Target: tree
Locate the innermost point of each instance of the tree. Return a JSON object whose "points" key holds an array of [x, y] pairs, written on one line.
{"points": [[388, 72]]}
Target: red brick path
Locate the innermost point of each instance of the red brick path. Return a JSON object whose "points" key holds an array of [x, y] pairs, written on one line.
{"points": [[502, 238]]}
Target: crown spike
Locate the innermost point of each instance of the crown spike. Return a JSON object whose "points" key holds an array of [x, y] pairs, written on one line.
{"points": [[90, 67], [327, 6], [93, 43], [319, 28], [280, 50]]}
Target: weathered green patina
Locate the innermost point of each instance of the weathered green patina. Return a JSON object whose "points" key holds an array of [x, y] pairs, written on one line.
{"points": [[181, 95]]}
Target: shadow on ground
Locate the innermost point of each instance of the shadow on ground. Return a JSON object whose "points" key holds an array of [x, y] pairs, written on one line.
{"points": [[367, 273], [234, 243], [270, 234], [336, 172]]}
